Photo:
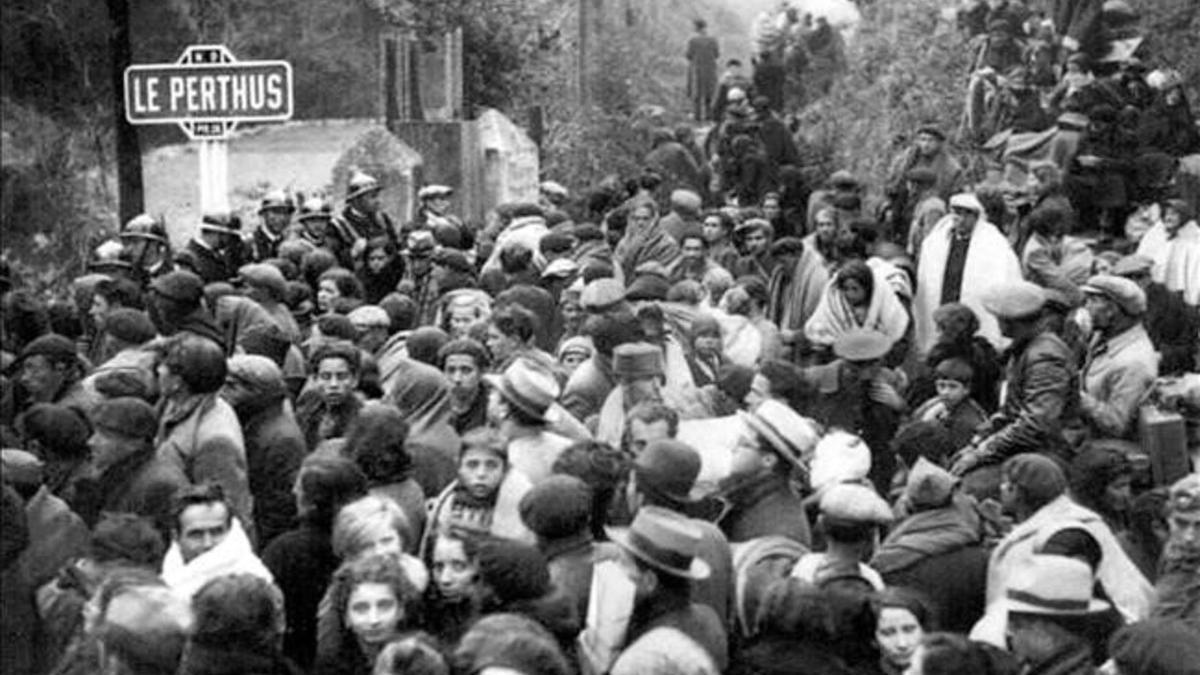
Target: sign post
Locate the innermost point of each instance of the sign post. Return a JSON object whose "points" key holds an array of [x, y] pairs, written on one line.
{"points": [[207, 92]]}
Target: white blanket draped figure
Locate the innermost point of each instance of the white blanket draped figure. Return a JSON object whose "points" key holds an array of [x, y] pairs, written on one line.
{"points": [[990, 262]]}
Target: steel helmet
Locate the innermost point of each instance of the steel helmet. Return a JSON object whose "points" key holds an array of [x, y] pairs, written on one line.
{"points": [[144, 226], [316, 208], [361, 184], [277, 200], [223, 222]]}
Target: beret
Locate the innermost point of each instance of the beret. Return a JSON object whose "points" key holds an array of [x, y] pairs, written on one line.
{"points": [[126, 536], [180, 285], [336, 326], [648, 287], [1133, 265], [557, 507], [127, 416], [1014, 300], [966, 200], [1037, 475], [259, 374], [855, 503], [1125, 293], [685, 199], [267, 276], [55, 347], [862, 344], [601, 293], [130, 325], [369, 316], [431, 191], [18, 467], [928, 485], [514, 570]]}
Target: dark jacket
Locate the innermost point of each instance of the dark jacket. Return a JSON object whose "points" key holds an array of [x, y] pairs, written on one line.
{"points": [[785, 655], [302, 563], [202, 659], [570, 561], [274, 450], [763, 505], [955, 583], [692, 619], [208, 264], [141, 484], [1172, 326]]}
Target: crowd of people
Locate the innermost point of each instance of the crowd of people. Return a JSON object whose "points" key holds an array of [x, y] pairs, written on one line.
{"points": [[654, 427]]}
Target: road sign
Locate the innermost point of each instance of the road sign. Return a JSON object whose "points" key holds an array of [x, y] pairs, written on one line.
{"points": [[207, 92]]}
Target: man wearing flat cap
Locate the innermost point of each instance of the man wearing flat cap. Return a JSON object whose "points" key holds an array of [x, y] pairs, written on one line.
{"points": [[434, 215], [928, 151], [850, 517], [961, 258], [1121, 362], [1041, 407], [861, 395], [361, 220], [1171, 326]]}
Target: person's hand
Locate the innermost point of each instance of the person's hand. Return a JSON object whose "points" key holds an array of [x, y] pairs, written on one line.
{"points": [[882, 392], [358, 248], [967, 459]]}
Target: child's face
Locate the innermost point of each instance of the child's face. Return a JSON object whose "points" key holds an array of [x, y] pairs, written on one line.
{"points": [[480, 472], [951, 392]]}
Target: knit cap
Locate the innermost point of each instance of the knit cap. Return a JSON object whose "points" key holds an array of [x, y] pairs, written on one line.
{"points": [[514, 570], [557, 507]]}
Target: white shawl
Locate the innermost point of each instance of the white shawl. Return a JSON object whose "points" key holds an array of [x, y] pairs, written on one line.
{"points": [[1176, 260], [834, 316], [232, 556], [990, 262]]}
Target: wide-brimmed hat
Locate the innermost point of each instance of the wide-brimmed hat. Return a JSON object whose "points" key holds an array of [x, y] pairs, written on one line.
{"points": [[1053, 585], [528, 387], [664, 540], [361, 184], [789, 434]]}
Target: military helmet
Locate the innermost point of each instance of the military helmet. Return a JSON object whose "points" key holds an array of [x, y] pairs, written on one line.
{"points": [[316, 208], [277, 200], [223, 222], [361, 184], [144, 226]]}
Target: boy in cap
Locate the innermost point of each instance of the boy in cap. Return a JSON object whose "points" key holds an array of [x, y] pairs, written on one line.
{"points": [[851, 515], [485, 498], [1121, 363]]}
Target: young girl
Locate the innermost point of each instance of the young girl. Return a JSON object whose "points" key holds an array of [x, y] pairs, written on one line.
{"points": [[901, 620], [374, 602]]}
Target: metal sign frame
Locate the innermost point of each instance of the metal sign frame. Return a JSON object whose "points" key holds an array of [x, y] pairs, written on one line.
{"points": [[209, 128]]}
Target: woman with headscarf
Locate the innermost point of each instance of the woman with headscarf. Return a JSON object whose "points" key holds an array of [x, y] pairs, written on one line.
{"points": [[858, 297]]}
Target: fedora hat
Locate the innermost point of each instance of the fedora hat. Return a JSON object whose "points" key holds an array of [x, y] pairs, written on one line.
{"points": [[1053, 585], [664, 540], [528, 387], [789, 434]]}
